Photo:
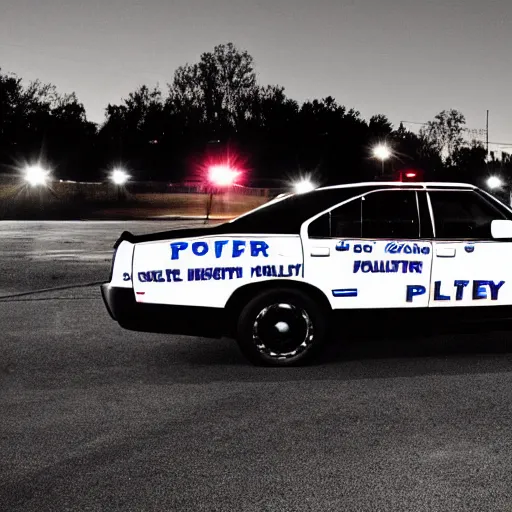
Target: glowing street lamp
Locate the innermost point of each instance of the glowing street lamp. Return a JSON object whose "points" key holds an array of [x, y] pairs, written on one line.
{"points": [[494, 182], [222, 175], [36, 176], [119, 177], [383, 153], [303, 186]]}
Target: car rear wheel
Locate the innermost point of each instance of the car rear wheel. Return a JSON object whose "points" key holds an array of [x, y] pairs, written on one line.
{"points": [[281, 328]]}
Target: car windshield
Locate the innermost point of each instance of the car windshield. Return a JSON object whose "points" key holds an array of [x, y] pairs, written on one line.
{"points": [[286, 215]]}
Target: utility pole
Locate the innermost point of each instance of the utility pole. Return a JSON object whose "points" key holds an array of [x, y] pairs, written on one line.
{"points": [[487, 135]]}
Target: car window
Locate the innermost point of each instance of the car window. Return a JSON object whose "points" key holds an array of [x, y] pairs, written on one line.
{"points": [[287, 215], [346, 220], [342, 222], [321, 227], [386, 214], [463, 215], [390, 214]]}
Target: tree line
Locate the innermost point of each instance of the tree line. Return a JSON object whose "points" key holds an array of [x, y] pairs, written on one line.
{"points": [[214, 108]]}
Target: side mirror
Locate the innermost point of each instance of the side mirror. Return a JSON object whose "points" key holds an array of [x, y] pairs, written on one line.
{"points": [[501, 228]]}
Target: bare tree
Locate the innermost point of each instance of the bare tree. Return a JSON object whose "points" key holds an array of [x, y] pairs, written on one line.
{"points": [[445, 132], [219, 84]]}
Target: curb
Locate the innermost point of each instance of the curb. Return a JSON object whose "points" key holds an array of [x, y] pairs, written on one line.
{"points": [[189, 217], [117, 219]]}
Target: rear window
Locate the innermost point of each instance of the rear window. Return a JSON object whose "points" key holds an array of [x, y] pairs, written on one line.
{"points": [[288, 215]]}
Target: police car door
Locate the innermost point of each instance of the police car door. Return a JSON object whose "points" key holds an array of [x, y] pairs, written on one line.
{"points": [[469, 268], [367, 252]]}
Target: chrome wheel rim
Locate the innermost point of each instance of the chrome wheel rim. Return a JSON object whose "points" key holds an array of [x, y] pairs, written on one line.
{"points": [[282, 331]]}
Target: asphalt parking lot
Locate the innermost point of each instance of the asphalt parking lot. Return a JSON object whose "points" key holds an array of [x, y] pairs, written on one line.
{"points": [[93, 417]]}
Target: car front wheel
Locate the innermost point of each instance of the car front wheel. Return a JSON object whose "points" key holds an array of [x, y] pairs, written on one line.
{"points": [[281, 328]]}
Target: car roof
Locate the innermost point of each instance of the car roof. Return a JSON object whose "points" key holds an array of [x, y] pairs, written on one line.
{"points": [[285, 215], [408, 184]]}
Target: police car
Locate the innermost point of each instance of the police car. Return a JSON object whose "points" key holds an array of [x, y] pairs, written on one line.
{"points": [[280, 278]]}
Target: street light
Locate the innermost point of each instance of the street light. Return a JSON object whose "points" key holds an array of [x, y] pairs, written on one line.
{"points": [[494, 182], [119, 177], [221, 175], [36, 176], [303, 186], [382, 152]]}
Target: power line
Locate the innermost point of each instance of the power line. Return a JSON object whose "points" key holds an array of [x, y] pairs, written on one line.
{"points": [[413, 122], [483, 130]]}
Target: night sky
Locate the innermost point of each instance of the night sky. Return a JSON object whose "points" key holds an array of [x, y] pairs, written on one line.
{"points": [[407, 59]]}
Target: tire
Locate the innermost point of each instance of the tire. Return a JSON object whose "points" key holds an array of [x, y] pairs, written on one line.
{"points": [[281, 327]]}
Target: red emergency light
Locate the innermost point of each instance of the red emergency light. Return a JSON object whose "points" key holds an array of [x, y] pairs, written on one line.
{"points": [[410, 175]]}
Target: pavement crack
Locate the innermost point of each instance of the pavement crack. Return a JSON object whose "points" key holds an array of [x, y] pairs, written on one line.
{"points": [[48, 290], [48, 298]]}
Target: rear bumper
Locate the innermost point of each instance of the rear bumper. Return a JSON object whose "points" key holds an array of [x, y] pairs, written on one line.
{"points": [[186, 320]]}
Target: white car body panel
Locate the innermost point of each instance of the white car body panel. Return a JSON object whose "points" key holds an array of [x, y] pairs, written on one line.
{"points": [[466, 273], [361, 274], [177, 272], [122, 269]]}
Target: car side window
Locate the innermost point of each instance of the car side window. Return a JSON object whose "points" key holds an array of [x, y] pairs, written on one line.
{"points": [[321, 227], [390, 214], [462, 215], [386, 214], [346, 220], [342, 222]]}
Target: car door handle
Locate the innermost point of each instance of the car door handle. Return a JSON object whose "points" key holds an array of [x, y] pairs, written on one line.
{"points": [[445, 252], [320, 251]]}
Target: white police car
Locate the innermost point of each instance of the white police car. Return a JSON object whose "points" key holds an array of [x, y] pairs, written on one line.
{"points": [[278, 277]]}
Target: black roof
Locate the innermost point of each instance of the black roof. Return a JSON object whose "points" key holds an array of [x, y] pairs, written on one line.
{"points": [[283, 216]]}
